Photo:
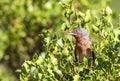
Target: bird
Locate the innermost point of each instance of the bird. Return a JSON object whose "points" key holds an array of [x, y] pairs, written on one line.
{"points": [[83, 45]]}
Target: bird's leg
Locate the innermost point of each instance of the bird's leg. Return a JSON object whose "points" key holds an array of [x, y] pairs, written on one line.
{"points": [[81, 57], [93, 58], [75, 54]]}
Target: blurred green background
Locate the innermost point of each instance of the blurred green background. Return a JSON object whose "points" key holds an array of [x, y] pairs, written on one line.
{"points": [[21, 21], [114, 4]]}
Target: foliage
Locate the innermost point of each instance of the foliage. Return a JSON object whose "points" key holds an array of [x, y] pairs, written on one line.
{"points": [[57, 62], [20, 23], [6, 74]]}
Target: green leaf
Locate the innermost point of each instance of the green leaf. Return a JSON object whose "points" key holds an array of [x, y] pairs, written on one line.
{"points": [[65, 52], [76, 77], [108, 10]]}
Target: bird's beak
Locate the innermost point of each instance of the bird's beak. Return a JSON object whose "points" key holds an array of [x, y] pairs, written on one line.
{"points": [[70, 33]]}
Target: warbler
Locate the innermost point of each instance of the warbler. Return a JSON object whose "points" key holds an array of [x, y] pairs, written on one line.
{"points": [[83, 45]]}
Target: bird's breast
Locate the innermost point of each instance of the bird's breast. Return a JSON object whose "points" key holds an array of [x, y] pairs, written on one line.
{"points": [[83, 47]]}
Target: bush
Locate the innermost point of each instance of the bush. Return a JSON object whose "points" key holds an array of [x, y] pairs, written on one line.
{"points": [[20, 23], [57, 61]]}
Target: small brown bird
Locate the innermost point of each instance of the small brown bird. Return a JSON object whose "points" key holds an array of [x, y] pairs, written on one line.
{"points": [[83, 45]]}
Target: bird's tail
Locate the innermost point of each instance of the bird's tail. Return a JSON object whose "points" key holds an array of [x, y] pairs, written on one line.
{"points": [[93, 57]]}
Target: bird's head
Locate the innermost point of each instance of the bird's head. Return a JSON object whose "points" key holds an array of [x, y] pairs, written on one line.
{"points": [[79, 33]]}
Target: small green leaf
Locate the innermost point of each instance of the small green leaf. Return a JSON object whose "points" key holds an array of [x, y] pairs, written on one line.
{"points": [[76, 77], [58, 71], [18, 71], [54, 60], [80, 14], [40, 75], [108, 10], [25, 68], [40, 60], [60, 43], [50, 71], [65, 52], [85, 60], [95, 28], [87, 17]]}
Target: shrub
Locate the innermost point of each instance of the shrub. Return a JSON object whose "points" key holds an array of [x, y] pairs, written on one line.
{"points": [[57, 61]]}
